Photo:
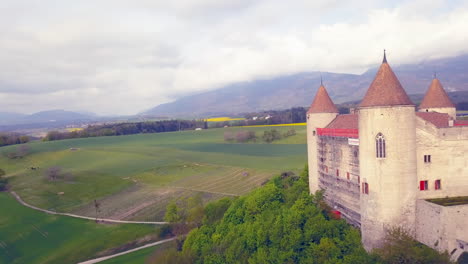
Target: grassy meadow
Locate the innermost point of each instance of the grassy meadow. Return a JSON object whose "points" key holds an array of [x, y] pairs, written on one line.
{"points": [[135, 176], [29, 236]]}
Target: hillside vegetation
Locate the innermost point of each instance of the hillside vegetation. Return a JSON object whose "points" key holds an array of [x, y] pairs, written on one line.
{"points": [[281, 222]]}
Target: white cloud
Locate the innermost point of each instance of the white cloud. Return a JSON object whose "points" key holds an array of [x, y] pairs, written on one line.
{"points": [[122, 56]]}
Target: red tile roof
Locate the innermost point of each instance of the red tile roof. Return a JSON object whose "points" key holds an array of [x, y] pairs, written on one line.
{"points": [[461, 123], [385, 90], [436, 96], [322, 102], [437, 119], [349, 121]]}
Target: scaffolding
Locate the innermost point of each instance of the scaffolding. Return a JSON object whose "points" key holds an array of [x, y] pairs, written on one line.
{"points": [[342, 192]]}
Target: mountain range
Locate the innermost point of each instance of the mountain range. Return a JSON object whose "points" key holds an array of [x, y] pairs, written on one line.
{"points": [[43, 116], [288, 91]]}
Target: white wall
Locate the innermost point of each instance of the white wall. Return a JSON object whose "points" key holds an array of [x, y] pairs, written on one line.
{"points": [[444, 228]]}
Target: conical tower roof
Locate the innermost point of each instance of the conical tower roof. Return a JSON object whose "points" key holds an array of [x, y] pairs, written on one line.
{"points": [[322, 102], [386, 89], [436, 96]]}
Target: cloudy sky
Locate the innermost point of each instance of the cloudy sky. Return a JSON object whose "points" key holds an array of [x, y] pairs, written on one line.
{"points": [[125, 56]]}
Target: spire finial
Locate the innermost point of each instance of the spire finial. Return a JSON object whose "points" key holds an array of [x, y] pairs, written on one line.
{"points": [[435, 75], [321, 81], [384, 57]]}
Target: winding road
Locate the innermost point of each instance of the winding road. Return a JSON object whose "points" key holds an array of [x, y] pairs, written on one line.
{"points": [[18, 198], [92, 261]]}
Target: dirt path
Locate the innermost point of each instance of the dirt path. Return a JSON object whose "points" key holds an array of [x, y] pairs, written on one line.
{"points": [[18, 198], [92, 261]]}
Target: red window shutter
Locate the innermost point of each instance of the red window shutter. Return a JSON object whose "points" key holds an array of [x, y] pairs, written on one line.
{"points": [[422, 185]]}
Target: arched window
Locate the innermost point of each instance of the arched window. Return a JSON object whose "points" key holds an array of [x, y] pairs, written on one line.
{"points": [[380, 146]]}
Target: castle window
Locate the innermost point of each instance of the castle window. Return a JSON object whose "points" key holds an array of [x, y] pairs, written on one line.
{"points": [[313, 133], [347, 175], [423, 186], [437, 185], [380, 146], [365, 188], [337, 173], [427, 158]]}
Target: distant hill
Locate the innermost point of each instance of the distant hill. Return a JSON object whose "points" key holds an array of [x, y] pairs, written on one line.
{"points": [[51, 118], [298, 89], [56, 115], [7, 117]]}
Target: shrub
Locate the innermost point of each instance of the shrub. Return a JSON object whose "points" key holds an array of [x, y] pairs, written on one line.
{"points": [[400, 247], [3, 183]]}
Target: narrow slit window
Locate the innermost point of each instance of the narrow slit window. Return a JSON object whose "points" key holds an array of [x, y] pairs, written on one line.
{"points": [[365, 188], [380, 146], [427, 158], [437, 185]]}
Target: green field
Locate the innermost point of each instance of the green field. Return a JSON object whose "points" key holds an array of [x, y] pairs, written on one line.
{"points": [[29, 236], [140, 256], [135, 176]]}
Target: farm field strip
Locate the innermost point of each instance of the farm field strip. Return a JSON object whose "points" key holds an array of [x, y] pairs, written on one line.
{"points": [[227, 182], [244, 187], [212, 178]]}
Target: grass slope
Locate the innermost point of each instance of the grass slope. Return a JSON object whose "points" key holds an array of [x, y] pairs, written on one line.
{"points": [[29, 236], [135, 176]]}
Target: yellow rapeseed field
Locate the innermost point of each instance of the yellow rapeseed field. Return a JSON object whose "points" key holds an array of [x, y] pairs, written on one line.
{"points": [[75, 129], [223, 119]]}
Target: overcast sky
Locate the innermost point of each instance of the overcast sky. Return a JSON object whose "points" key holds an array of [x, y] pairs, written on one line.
{"points": [[125, 56]]}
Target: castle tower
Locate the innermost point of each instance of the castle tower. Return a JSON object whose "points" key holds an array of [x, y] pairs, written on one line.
{"points": [[437, 100], [320, 114], [387, 154]]}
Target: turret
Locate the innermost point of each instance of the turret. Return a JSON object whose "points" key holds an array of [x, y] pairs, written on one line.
{"points": [[437, 100], [321, 112], [387, 154]]}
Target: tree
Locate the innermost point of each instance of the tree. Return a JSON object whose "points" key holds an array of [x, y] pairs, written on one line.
{"points": [[3, 181], [53, 173], [96, 206], [22, 151], [172, 213]]}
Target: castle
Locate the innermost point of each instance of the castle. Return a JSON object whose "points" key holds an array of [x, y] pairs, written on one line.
{"points": [[385, 164]]}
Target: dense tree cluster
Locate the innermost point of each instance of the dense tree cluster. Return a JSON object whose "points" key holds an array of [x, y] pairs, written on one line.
{"points": [[12, 139], [128, 129], [280, 222], [268, 136], [277, 223]]}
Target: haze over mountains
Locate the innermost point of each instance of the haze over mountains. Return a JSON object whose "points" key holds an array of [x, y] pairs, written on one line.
{"points": [[298, 89], [280, 92]]}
